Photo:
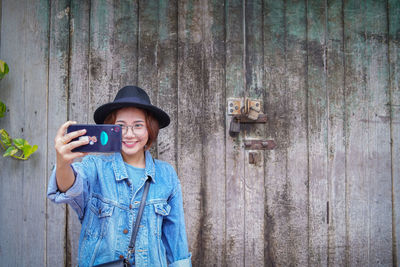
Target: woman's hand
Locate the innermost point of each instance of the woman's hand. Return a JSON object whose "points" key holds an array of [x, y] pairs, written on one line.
{"points": [[63, 145]]}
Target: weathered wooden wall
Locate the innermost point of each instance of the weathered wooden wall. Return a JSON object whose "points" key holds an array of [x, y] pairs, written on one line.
{"points": [[328, 73]]}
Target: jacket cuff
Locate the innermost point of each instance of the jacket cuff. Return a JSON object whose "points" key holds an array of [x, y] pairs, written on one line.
{"points": [[69, 197], [182, 263]]}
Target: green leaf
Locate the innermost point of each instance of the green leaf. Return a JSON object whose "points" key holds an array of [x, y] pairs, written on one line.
{"points": [[2, 109], [3, 69], [5, 138], [20, 143], [10, 151], [29, 150]]}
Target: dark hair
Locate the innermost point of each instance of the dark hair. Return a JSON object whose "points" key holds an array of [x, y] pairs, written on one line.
{"points": [[151, 125]]}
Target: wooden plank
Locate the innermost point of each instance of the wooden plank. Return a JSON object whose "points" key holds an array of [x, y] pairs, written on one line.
{"points": [[369, 185], [112, 40], [377, 128], [357, 220], [317, 112], [335, 136], [394, 68], [167, 54], [277, 242], [12, 91], [254, 194], [33, 192], [148, 50], [78, 100], [235, 155], [213, 217], [287, 169], [190, 165], [56, 237]]}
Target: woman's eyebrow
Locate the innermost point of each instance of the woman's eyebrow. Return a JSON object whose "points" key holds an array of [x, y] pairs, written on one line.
{"points": [[133, 121]]}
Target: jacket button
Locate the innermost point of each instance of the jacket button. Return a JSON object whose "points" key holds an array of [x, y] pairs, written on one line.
{"points": [[126, 231], [130, 206], [121, 256]]}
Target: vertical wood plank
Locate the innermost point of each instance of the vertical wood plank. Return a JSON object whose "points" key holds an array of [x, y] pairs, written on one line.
{"points": [[78, 100], [377, 126], [294, 194], [356, 184], [33, 190], [235, 155], [190, 120], [277, 210], [368, 175], [148, 50], [394, 68], [113, 42], [56, 237], [336, 139], [213, 140], [318, 112], [254, 194], [167, 54], [12, 94]]}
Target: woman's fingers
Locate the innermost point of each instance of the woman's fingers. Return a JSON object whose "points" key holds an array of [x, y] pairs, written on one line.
{"points": [[72, 135], [61, 131], [64, 146]]}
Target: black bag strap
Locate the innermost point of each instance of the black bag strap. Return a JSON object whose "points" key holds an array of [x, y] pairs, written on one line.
{"points": [[131, 249]]}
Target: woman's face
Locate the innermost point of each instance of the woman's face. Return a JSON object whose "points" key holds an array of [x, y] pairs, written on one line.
{"points": [[134, 130]]}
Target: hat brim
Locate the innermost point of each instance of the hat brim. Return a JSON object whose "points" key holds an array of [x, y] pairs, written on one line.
{"points": [[103, 111]]}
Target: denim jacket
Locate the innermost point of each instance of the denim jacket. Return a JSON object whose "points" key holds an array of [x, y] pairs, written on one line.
{"points": [[106, 201]]}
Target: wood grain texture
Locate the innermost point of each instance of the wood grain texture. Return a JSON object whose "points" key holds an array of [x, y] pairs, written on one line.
{"points": [[294, 194], [78, 99], [214, 105], [317, 120], [235, 156], [336, 138], [277, 239], [254, 194], [190, 133], [368, 191], [24, 209], [394, 72], [378, 128], [357, 221], [167, 78], [57, 102], [12, 171]]}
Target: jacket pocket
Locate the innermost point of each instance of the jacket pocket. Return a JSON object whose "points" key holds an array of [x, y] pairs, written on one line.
{"points": [[100, 208], [100, 212], [162, 209]]}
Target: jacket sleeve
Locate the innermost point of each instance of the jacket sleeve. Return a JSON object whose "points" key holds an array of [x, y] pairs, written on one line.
{"points": [[174, 232], [76, 196]]}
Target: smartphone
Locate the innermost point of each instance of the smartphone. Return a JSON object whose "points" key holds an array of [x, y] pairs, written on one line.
{"points": [[103, 138]]}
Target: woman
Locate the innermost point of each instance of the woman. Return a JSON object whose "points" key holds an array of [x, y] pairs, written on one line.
{"points": [[106, 190]]}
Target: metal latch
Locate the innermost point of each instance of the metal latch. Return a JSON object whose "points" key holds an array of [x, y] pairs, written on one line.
{"points": [[244, 111], [259, 144]]}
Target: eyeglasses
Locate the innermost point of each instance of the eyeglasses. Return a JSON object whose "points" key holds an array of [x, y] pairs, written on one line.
{"points": [[138, 128]]}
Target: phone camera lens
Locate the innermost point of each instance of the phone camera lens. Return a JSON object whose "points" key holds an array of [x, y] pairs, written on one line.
{"points": [[116, 129]]}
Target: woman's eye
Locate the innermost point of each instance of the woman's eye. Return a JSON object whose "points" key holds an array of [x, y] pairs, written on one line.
{"points": [[139, 125]]}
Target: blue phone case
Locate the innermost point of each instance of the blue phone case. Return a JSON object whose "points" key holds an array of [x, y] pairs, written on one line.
{"points": [[103, 138]]}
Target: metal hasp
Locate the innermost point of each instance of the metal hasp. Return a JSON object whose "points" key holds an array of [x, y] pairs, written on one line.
{"points": [[259, 144], [244, 111]]}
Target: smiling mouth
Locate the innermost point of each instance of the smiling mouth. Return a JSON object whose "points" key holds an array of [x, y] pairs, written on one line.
{"points": [[130, 144]]}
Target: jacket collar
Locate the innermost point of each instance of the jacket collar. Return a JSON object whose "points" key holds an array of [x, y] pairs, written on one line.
{"points": [[121, 173]]}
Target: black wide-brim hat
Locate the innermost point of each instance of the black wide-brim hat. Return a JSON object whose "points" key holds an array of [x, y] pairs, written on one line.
{"points": [[131, 96]]}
